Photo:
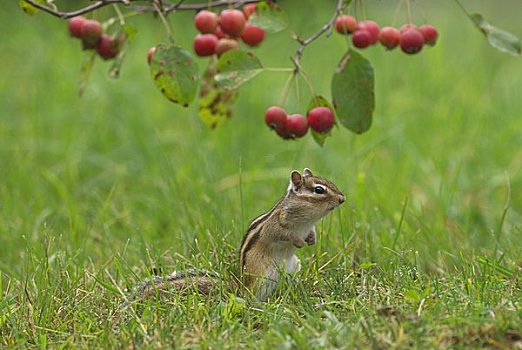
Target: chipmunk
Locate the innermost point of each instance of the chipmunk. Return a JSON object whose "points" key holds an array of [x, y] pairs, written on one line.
{"points": [[270, 243]]}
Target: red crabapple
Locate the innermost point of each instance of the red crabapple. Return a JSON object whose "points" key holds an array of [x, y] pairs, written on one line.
{"points": [[232, 22], [206, 22], [429, 33], [408, 26], [297, 125], [372, 28], [321, 119], [75, 26], [411, 41], [275, 118], [219, 33], [345, 24], [252, 35], [389, 37], [106, 47], [249, 9], [361, 38], [91, 30], [205, 44], [224, 45]]}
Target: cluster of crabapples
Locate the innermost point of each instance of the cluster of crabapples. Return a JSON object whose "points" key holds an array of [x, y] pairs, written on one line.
{"points": [[90, 32], [319, 119], [409, 37], [220, 33]]}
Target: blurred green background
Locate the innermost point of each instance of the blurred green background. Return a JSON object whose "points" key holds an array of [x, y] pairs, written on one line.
{"points": [[123, 169], [94, 191]]}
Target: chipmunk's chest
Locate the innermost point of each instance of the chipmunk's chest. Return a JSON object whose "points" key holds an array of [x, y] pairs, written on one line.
{"points": [[283, 250]]}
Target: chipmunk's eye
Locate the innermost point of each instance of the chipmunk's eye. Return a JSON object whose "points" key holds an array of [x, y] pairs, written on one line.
{"points": [[319, 189]]}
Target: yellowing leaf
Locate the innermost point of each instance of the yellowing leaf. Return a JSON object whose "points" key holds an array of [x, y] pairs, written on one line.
{"points": [[215, 103], [175, 74], [30, 9]]}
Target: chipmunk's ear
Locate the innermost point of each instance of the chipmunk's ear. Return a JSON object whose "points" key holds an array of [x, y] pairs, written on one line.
{"points": [[296, 180], [307, 172]]}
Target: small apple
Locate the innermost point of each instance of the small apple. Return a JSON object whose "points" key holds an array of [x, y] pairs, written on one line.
{"points": [[91, 31], [372, 27], [205, 44], [297, 125], [75, 26], [389, 37], [252, 35], [345, 24], [106, 47], [361, 38], [411, 41], [224, 45], [321, 119], [429, 33], [206, 22], [232, 22]]}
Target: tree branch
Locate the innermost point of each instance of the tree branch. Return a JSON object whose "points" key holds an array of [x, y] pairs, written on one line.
{"points": [[67, 15], [178, 6], [304, 43]]}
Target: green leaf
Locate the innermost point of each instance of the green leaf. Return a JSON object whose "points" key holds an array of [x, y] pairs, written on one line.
{"points": [[86, 70], [175, 74], [30, 9], [319, 101], [215, 103], [236, 67], [498, 38], [353, 92], [269, 16]]}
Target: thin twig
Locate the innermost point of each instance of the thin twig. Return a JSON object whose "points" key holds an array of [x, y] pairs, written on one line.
{"points": [[306, 42]]}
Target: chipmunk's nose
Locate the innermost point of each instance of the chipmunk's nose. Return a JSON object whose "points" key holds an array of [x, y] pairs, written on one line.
{"points": [[341, 199]]}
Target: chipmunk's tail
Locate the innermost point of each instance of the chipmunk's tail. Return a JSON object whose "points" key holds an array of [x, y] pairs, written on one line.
{"points": [[202, 281]]}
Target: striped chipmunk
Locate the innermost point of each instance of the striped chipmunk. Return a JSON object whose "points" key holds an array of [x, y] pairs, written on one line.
{"points": [[269, 245]]}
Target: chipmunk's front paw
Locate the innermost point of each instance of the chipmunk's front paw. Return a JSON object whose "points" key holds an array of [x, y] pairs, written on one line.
{"points": [[298, 242], [310, 239]]}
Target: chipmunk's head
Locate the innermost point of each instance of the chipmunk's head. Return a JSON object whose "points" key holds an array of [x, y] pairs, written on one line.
{"points": [[315, 194]]}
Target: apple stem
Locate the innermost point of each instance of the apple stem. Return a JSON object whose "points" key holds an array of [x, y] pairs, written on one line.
{"points": [[121, 17], [286, 88], [159, 11], [299, 70], [409, 11]]}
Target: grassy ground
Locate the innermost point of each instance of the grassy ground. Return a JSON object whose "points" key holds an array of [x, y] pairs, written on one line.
{"points": [[96, 191]]}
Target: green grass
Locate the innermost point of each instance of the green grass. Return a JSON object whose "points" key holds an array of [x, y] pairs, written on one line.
{"points": [[96, 191]]}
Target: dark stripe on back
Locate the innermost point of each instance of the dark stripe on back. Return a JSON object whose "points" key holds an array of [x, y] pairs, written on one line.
{"points": [[249, 246], [255, 223], [266, 217]]}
